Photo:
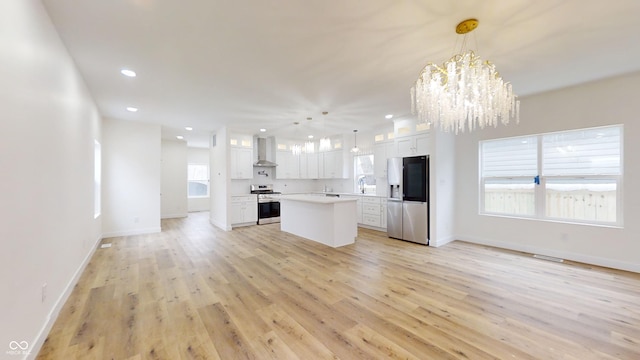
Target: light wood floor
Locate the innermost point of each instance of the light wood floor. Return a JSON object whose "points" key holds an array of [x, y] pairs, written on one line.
{"points": [[195, 292]]}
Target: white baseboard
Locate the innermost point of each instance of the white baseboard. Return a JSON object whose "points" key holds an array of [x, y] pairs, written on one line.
{"points": [[587, 259], [174, 216], [372, 227], [131, 232], [243, 224], [219, 225], [441, 242], [62, 299]]}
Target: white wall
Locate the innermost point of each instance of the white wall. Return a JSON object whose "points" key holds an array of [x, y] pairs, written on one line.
{"points": [[48, 125], [607, 102], [198, 156], [173, 201], [131, 178], [220, 200], [442, 182]]}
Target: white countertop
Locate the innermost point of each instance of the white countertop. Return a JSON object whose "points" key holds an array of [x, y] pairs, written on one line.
{"points": [[349, 194], [316, 199]]}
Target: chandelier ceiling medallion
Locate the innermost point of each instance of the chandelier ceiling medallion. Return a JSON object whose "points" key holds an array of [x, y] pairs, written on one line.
{"points": [[465, 92]]}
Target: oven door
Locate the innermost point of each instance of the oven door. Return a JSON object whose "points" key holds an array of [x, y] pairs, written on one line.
{"points": [[268, 212], [275, 209]]}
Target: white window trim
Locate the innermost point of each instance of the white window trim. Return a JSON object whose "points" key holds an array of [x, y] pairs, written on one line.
{"points": [[208, 180], [540, 194]]}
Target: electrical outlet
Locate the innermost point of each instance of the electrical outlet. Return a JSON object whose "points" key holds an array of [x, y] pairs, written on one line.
{"points": [[44, 292], [136, 219]]}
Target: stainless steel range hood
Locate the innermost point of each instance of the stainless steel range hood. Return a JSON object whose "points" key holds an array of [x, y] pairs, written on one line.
{"points": [[263, 160]]}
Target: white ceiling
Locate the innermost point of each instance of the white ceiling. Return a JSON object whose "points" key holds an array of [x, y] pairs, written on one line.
{"points": [[253, 64]]}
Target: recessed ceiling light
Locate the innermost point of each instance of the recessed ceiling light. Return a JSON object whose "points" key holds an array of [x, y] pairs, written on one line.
{"points": [[388, 116], [180, 137], [263, 130], [308, 118], [188, 128], [132, 109], [127, 72], [310, 136]]}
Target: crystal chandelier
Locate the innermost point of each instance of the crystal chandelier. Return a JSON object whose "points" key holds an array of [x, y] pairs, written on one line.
{"points": [[464, 92]]}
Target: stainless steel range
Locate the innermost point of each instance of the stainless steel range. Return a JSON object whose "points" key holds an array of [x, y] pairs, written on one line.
{"points": [[268, 204]]}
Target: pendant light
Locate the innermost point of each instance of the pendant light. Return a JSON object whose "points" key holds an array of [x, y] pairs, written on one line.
{"points": [[325, 141], [355, 148]]}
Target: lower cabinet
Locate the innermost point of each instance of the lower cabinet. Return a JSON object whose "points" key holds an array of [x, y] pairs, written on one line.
{"points": [[372, 212], [244, 210], [383, 213]]}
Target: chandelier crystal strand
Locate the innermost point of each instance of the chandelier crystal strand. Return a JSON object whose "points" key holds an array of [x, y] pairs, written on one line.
{"points": [[465, 93]]}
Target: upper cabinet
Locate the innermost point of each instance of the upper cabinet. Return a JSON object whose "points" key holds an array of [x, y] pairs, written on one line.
{"points": [[241, 156], [309, 166], [407, 138], [332, 165], [288, 165], [310, 163], [411, 138], [412, 145], [381, 152]]}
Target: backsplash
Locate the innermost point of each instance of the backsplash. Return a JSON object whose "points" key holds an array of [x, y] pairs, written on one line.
{"points": [[289, 186]]}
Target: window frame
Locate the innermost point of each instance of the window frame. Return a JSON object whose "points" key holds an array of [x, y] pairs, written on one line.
{"points": [[356, 173], [540, 187], [207, 180]]}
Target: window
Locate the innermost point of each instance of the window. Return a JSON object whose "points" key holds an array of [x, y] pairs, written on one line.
{"points": [[567, 176], [364, 179], [97, 178], [198, 180], [508, 169]]}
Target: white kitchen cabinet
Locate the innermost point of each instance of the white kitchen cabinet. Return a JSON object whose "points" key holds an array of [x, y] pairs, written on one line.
{"points": [[381, 152], [412, 145], [241, 156], [288, 165], [241, 140], [241, 163], [383, 213], [371, 210], [309, 166], [244, 210], [332, 165]]}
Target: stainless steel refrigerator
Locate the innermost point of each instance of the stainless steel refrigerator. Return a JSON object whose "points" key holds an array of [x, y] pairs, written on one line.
{"points": [[408, 199]]}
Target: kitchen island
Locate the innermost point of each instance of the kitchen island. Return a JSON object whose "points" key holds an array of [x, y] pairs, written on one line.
{"points": [[328, 220]]}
